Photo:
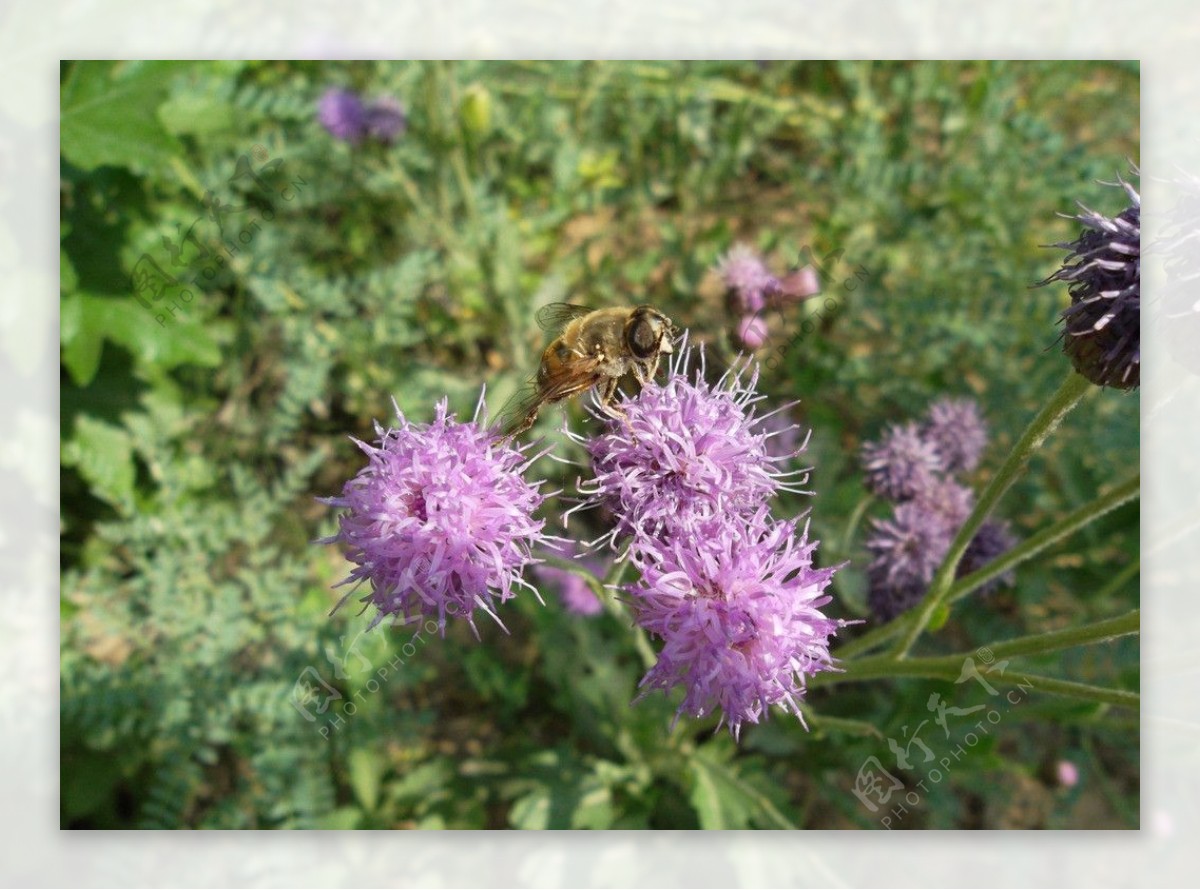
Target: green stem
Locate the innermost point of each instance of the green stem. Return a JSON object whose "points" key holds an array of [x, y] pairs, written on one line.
{"points": [[1060, 404], [1123, 493], [855, 518], [949, 667], [1071, 523]]}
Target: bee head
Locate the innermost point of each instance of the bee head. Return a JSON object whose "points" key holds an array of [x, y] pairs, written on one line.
{"points": [[648, 332]]}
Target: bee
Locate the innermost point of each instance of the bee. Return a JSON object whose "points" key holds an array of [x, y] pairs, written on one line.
{"points": [[594, 348]]}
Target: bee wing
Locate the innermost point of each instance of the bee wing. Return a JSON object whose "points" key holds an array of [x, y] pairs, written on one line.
{"points": [[514, 411], [555, 316], [564, 382]]}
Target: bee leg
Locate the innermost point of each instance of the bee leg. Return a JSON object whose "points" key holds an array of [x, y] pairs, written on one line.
{"points": [[607, 404]]}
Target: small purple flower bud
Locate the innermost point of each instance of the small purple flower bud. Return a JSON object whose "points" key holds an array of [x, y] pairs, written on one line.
{"points": [[752, 332]]}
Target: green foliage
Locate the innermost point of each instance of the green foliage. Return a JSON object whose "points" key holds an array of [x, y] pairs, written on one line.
{"points": [[241, 292]]}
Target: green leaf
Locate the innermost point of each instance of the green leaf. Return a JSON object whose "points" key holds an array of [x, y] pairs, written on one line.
{"points": [[197, 114], [103, 454], [110, 115], [723, 799], [366, 769], [153, 338], [80, 352]]}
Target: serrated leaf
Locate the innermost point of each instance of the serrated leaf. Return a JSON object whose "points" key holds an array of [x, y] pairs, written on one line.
{"points": [[109, 115]]}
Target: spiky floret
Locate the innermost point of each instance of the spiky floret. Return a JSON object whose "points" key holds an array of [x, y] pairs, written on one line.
{"points": [[440, 520]]}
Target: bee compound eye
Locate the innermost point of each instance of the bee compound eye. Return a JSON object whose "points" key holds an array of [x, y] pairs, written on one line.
{"points": [[643, 337]]}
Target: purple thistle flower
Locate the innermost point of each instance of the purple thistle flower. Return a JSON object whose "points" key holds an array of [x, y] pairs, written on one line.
{"points": [[440, 520], [737, 607], [686, 451], [342, 113], [901, 464], [747, 278], [906, 551], [1103, 326], [947, 499], [957, 431], [993, 540], [576, 594], [385, 119]]}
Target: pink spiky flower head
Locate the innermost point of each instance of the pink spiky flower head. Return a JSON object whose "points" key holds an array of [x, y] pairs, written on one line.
{"points": [[440, 520], [686, 451], [738, 608]]}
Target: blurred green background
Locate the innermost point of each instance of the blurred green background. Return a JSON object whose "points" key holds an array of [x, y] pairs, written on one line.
{"points": [[204, 684]]}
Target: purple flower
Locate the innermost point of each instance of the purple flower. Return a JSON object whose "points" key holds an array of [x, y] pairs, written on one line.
{"points": [[687, 451], [901, 464], [906, 550], [957, 431], [1103, 327], [342, 113], [950, 501], [993, 540], [439, 522], [752, 332], [576, 594], [747, 278], [737, 607], [385, 119]]}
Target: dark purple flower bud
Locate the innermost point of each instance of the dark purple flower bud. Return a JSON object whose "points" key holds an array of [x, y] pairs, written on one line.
{"points": [[342, 113], [993, 540], [1103, 327], [385, 119], [957, 430], [901, 464], [440, 521]]}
